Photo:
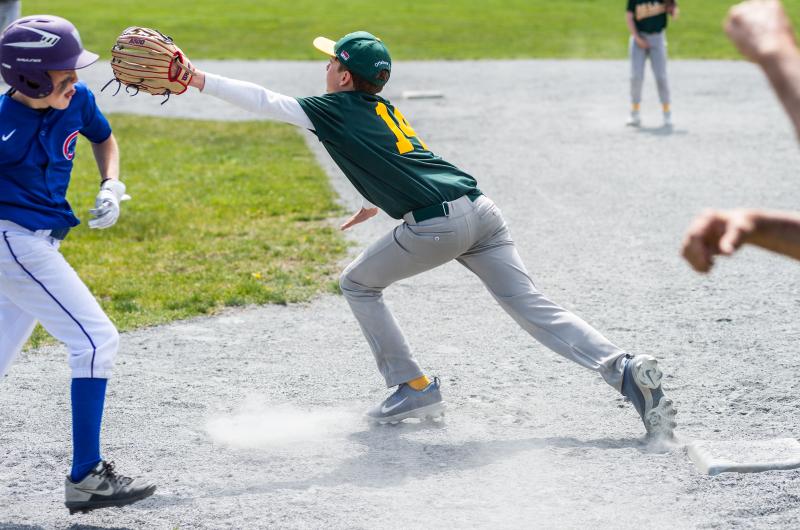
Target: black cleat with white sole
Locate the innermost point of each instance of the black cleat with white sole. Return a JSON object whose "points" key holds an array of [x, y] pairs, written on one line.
{"points": [[104, 488]]}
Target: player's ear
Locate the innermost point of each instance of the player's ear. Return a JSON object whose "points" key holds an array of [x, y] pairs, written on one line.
{"points": [[346, 78]]}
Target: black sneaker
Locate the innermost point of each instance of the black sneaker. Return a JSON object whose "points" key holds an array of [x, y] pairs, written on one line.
{"points": [[104, 488]]}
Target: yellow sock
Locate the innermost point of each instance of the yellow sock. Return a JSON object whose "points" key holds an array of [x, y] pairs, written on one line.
{"points": [[666, 107], [635, 107], [420, 383]]}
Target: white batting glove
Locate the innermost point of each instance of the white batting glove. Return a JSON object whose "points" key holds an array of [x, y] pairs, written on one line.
{"points": [[106, 205]]}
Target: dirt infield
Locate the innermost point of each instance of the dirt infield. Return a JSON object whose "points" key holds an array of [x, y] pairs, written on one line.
{"points": [[252, 419]]}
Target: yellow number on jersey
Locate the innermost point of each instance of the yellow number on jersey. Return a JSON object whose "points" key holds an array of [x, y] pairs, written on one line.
{"points": [[402, 130]]}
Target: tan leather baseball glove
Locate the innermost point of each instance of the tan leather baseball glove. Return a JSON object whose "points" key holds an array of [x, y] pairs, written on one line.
{"points": [[145, 59]]}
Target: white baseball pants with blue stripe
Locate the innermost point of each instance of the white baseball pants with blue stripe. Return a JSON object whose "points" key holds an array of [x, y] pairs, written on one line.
{"points": [[37, 284], [475, 235]]}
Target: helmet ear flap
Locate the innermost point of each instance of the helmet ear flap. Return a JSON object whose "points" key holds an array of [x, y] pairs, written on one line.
{"points": [[35, 84]]}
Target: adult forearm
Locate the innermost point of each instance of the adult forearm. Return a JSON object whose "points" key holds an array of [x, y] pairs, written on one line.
{"points": [[783, 72], [776, 231], [106, 154], [762, 31]]}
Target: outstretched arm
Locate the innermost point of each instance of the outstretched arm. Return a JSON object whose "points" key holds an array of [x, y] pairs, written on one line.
{"points": [[723, 232], [763, 33], [252, 97]]}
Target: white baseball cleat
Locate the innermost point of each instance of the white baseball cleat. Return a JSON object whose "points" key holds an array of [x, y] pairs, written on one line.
{"points": [[104, 488], [634, 120], [641, 384], [668, 119]]}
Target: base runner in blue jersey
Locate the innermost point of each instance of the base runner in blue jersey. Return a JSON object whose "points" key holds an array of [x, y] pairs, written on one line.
{"points": [[41, 118], [444, 217]]}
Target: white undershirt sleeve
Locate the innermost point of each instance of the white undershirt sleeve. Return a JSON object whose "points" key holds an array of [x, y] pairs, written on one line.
{"points": [[263, 102], [257, 99]]}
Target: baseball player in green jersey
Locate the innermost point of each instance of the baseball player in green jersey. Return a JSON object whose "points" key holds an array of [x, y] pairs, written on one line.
{"points": [[647, 23], [445, 217]]}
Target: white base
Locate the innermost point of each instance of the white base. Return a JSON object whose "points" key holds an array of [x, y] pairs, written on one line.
{"points": [[715, 457], [422, 94]]}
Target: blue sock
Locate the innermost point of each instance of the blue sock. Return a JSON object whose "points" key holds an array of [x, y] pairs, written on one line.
{"points": [[88, 396]]}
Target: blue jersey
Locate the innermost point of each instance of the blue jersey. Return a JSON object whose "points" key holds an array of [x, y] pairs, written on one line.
{"points": [[36, 152]]}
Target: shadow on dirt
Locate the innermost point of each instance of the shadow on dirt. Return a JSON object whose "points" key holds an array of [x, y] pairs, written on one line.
{"points": [[663, 130]]}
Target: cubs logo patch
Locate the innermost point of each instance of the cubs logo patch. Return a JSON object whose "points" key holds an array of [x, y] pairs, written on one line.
{"points": [[68, 149]]}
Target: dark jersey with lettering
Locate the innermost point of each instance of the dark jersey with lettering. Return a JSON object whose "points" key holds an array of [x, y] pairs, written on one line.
{"points": [[650, 15], [381, 154]]}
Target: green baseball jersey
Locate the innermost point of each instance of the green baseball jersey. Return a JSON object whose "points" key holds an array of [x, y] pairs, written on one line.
{"points": [[380, 153], [650, 15]]}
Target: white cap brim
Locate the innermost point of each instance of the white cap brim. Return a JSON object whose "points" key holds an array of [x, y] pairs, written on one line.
{"points": [[325, 45]]}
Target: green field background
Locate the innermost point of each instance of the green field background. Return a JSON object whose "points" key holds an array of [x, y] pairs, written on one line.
{"points": [[459, 29]]}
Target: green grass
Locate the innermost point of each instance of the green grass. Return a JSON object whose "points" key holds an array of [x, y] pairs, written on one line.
{"points": [[436, 29], [223, 214]]}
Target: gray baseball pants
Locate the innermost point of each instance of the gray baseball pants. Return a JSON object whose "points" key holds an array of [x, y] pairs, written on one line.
{"points": [[658, 61], [475, 235], [9, 12]]}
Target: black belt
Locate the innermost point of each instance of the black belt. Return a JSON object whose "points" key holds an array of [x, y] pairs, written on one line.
{"points": [[439, 210], [59, 233]]}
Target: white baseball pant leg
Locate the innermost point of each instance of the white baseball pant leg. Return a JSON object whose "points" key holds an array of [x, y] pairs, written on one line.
{"points": [[37, 284], [15, 327]]}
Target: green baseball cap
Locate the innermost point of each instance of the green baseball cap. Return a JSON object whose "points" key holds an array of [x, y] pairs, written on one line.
{"points": [[360, 52]]}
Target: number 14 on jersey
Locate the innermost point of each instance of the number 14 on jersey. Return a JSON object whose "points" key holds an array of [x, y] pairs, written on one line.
{"points": [[400, 127]]}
